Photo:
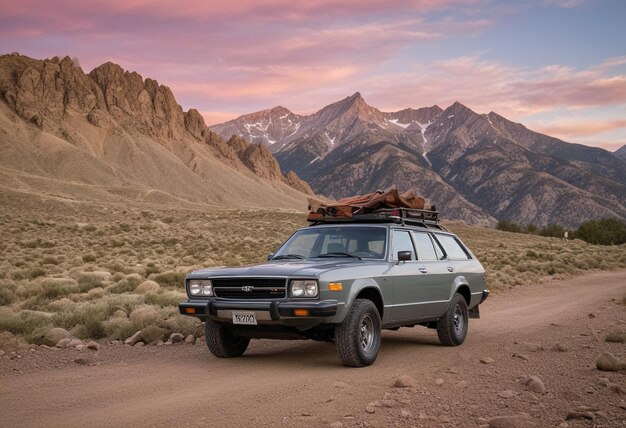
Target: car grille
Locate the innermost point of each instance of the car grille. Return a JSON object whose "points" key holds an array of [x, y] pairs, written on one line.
{"points": [[249, 288]]}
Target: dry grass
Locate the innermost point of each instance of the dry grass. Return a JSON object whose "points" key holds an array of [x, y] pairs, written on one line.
{"points": [[80, 269]]}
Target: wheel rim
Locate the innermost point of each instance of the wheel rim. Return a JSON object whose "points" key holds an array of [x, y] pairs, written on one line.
{"points": [[366, 333], [459, 320]]}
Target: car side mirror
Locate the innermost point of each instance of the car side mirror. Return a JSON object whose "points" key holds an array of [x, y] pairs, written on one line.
{"points": [[269, 256], [404, 256]]}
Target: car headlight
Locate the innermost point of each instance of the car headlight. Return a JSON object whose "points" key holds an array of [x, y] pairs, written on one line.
{"points": [[303, 288], [200, 287]]}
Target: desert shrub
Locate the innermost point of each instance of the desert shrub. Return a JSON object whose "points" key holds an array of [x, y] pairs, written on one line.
{"points": [[118, 328], [553, 230], [143, 316], [170, 279], [153, 333], [86, 314], [127, 284], [185, 325], [89, 258], [92, 329], [508, 226], [49, 260], [166, 298], [36, 272], [24, 322], [87, 281], [52, 288], [7, 292], [18, 275], [124, 302], [608, 231]]}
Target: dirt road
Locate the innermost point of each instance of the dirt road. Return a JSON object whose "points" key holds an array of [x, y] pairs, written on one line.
{"points": [[301, 383]]}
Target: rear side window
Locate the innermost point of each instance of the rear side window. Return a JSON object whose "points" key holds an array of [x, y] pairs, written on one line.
{"points": [[402, 242], [425, 249], [453, 248]]}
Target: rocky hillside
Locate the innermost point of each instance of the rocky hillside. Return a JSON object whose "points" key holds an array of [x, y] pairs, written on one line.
{"points": [[112, 134], [474, 167]]}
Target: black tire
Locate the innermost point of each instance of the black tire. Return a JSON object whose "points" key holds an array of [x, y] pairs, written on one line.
{"points": [[222, 342], [358, 337], [452, 326]]}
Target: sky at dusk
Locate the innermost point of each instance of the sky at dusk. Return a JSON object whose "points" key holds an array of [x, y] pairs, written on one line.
{"points": [[557, 66]]}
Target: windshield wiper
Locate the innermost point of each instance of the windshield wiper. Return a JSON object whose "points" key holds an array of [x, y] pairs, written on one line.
{"points": [[338, 254], [288, 256]]}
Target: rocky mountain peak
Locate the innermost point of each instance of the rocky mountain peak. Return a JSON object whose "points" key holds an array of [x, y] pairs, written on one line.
{"points": [[621, 152]]}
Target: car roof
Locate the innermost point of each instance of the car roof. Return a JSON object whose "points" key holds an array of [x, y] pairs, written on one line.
{"points": [[385, 225]]}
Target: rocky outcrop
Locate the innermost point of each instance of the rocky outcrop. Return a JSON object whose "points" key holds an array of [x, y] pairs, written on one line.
{"points": [[292, 179], [55, 94]]}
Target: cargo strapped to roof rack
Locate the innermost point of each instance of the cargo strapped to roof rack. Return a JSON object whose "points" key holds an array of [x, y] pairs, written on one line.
{"points": [[385, 207]]}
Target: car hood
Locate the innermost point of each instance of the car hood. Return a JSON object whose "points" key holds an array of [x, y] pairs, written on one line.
{"points": [[299, 268]]}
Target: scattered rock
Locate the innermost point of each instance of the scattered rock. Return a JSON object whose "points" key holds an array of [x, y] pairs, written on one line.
{"points": [[535, 384], [559, 347], [83, 361], [1, 353], [190, 339], [132, 340], [93, 346], [74, 343], [63, 343], [139, 344], [341, 385], [405, 413], [81, 347], [147, 287], [608, 363], [405, 381], [370, 409], [487, 360], [616, 337], [517, 421], [439, 381], [521, 356], [507, 393], [529, 396], [160, 343], [389, 404], [579, 415], [305, 414], [336, 425], [55, 334], [591, 315], [452, 371], [176, 338]]}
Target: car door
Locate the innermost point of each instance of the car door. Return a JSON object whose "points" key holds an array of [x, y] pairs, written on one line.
{"points": [[435, 279], [411, 282]]}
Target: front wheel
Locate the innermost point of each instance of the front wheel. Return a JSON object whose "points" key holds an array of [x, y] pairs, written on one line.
{"points": [[222, 342], [358, 337], [452, 326]]}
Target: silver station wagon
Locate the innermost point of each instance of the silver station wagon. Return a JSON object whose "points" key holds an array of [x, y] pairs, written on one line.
{"points": [[343, 281]]}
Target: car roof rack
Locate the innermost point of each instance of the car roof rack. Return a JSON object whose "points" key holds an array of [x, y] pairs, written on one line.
{"points": [[404, 216]]}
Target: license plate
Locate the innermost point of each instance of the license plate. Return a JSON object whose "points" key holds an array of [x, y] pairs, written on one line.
{"points": [[248, 318]]}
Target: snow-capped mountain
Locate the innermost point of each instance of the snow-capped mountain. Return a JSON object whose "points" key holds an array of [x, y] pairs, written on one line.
{"points": [[474, 167]]}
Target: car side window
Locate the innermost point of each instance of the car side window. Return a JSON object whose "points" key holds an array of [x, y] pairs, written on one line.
{"points": [[453, 248], [425, 249], [402, 242]]}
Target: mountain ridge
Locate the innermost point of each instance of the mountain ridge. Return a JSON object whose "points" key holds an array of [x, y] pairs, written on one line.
{"points": [[474, 167], [111, 128]]}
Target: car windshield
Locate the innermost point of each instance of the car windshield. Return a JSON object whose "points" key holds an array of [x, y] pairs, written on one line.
{"points": [[355, 242]]}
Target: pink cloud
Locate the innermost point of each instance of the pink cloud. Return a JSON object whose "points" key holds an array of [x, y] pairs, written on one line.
{"points": [[568, 128]]}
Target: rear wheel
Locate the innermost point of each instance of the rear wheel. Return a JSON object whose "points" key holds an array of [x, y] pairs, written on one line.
{"points": [[222, 342], [358, 337], [452, 326]]}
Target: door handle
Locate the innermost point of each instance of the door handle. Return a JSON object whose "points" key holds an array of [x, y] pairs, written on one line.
{"points": [[423, 270], [450, 269]]}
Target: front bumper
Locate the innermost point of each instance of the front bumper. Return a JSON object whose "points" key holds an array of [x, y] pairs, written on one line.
{"points": [[277, 309]]}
